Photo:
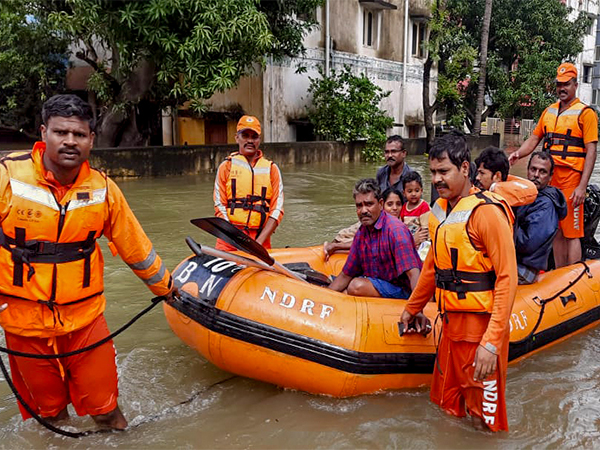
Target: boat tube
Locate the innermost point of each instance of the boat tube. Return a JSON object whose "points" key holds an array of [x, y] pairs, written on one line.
{"points": [[264, 325]]}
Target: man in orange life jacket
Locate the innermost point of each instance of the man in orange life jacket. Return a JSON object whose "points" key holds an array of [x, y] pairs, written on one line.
{"points": [[473, 275], [248, 188], [53, 208], [570, 132]]}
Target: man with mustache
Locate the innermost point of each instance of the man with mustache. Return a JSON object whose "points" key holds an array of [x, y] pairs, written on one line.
{"points": [[391, 174], [382, 261], [472, 273], [248, 188], [536, 224], [569, 129], [53, 209]]}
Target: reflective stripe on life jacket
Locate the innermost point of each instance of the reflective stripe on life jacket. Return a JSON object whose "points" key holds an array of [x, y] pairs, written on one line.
{"points": [[55, 241], [249, 192], [464, 275], [563, 136]]}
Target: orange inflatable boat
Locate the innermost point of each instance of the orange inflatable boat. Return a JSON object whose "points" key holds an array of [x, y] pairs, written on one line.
{"points": [[265, 325]]}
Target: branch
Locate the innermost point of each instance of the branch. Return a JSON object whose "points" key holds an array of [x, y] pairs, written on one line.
{"points": [[82, 56]]}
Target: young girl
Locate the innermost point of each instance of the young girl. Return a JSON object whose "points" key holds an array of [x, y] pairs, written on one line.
{"points": [[392, 204], [415, 212]]}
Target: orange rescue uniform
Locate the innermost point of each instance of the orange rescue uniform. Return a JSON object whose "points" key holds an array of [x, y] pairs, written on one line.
{"points": [[580, 123], [53, 283], [248, 195], [453, 387]]}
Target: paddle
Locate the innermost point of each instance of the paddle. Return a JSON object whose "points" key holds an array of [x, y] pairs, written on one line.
{"points": [[226, 231]]}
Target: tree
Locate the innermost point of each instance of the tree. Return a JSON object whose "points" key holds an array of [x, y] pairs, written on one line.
{"points": [[451, 47], [345, 107], [33, 64], [147, 55], [485, 34], [527, 42]]}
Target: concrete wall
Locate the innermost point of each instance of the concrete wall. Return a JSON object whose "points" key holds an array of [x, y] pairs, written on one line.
{"points": [[188, 160]]}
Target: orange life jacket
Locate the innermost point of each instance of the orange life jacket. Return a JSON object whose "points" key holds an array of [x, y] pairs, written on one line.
{"points": [[48, 250], [515, 190], [464, 275], [249, 192], [563, 137]]}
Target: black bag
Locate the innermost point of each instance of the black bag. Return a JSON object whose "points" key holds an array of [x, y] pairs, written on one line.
{"points": [[591, 217]]}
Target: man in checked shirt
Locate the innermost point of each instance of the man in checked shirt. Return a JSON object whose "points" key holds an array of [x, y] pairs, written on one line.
{"points": [[382, 261]]}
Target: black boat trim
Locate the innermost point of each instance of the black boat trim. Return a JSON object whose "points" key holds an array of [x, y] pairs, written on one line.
{"points": [[339, 358]]}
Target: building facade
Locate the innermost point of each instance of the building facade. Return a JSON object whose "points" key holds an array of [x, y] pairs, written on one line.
{"points": [[382, 39]]}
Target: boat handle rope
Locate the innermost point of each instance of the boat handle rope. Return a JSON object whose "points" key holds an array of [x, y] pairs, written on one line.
{"points": [[155, 301], [542, 302]]}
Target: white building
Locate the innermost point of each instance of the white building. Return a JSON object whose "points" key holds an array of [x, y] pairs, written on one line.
{"points": [[379, 38]]}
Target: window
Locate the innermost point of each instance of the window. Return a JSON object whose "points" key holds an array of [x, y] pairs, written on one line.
{"points": [[587, 74], [370, 28], [597, 56], [419, 35], [595, 96], [591, 28]]}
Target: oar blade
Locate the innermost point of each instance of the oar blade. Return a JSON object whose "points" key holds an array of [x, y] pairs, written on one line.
{"points": [[224, 230]]}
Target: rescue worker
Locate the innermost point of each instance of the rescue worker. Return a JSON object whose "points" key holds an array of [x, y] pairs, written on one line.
{"points": [[248, 188], [53, 209], [569, 129], [473, 274]]}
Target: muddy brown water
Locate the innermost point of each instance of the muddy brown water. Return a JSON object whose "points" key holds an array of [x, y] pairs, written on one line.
{"points": [[173, 398]]}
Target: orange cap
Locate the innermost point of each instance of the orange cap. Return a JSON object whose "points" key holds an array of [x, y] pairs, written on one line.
{"points": [[249, 123], [565, 72]]}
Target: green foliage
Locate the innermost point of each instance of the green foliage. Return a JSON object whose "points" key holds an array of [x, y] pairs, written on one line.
{"points": [[33, 63], [163, 52], [528, 40], [345, 107]]}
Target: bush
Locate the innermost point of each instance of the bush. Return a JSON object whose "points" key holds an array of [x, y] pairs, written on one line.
{"points": [[346, 108]]}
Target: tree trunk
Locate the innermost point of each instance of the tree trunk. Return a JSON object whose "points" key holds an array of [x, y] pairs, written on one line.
{"points": [[485, 35], [119, 126], [428, 109]]}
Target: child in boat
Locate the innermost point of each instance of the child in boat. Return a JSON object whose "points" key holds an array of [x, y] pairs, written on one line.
{"points": [[392, 204], [415, 212]]}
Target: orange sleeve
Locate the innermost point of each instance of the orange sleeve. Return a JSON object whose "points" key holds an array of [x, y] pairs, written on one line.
{"points": [[539, 129], [276, 211], [126, 234], [490, 231], [220, 190], [588, 120], [425, 287]]}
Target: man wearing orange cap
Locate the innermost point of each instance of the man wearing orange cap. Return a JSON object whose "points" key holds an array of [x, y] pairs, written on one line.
{"points": [[248, 187], [570, 132]]}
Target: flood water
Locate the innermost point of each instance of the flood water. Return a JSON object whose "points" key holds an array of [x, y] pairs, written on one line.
{"points": [[173, 398]]}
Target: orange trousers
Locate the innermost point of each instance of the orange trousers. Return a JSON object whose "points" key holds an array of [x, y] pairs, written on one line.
{"points": [[88, 380]]}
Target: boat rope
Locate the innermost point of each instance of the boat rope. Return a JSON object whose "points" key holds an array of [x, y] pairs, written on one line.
{"points": [[155, 301], [542, 302]]}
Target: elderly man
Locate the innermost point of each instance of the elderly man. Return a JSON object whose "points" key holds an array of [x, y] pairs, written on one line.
{"points": [[570, 132], [536, 224], [382, 261], [248, 188]]}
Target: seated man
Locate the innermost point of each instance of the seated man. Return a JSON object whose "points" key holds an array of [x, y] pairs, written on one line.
{"points": [[382, 261], [536, 224], [492, 175]]}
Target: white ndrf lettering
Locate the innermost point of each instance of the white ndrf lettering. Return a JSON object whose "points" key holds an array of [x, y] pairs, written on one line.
{"points": [[291, 303], [517, 321], [210, 284], [186, 272], [269, 293], [490, 394], [326, 311], [307, 306], [524, 317]]}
